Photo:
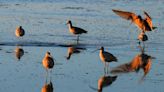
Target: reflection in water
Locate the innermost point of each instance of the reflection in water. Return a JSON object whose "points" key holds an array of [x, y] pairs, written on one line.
{"points": [[19, 52], [105, 81], [48, 87], [73, 50], [142, 37], [140, 61]]}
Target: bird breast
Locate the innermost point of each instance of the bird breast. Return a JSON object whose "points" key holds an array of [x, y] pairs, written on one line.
{"points": [[48, 62], [102, 57]]}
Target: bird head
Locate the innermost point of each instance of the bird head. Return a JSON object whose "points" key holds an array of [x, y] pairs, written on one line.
{"points": [[69, 22], [48, 53], [102, 48], [139, 17]]}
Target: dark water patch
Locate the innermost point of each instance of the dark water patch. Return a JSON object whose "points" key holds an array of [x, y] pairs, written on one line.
{"points": [[17, 4], [73, 8], [8, 52], [4, 5]]}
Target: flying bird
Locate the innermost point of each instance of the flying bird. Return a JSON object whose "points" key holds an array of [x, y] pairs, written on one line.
{"points": [[145, 24]]}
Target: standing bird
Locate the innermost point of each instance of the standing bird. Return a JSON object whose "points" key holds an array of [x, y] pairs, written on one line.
{"points": [[19, 32], [142, 37], [75, 30], [106, 57], [48, 61], [143, 24]]}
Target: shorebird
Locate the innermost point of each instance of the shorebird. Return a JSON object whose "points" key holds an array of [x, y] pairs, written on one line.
{"points": [[143, 24], [106, 57], [19, 32], [75, 30], [48, 61], [19, 52]]}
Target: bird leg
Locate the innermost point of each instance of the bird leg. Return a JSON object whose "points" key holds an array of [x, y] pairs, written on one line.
{"points": [[77, 39], [46, 75], [107, 68]]}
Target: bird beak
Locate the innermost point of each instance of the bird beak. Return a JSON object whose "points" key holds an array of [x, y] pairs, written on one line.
{"points": [[153, 57], [95, 50], [67, 23]]}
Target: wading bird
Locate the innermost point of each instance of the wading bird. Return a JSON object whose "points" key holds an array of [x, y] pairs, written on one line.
{"points": [[143, 24], [106, 57], [48, 61], [75, 30], [19, 32]]}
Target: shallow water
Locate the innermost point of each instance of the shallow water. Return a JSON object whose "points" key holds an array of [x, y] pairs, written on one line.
{"points": [[44, 23]]}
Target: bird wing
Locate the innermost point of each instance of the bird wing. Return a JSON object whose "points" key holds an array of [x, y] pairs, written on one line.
{"points": [[50, 62], [148, 19], [147, 67], [125, 14], [79, 30], [109, 57]]}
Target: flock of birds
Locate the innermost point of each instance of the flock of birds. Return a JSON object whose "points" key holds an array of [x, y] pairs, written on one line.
{"points": [[140, 61]]}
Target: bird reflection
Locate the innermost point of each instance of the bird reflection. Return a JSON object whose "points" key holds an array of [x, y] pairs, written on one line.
{"points": [[19, 52], [47, 87], [142, 37], [140, 61], [73, 50], [105, 81]]}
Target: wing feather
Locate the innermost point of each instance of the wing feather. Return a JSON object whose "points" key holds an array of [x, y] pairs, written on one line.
{"points": [[148, 19], [125, 14]]}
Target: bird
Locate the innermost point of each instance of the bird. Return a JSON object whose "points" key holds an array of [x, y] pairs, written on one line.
{"points": [[143, 24], [19, 52], [142, 37], [106, 57], [19, 32], [75, 30], [105, 81], [48, 61]]}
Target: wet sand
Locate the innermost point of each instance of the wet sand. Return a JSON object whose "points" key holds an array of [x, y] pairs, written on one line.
{"points": [[44, 23]]}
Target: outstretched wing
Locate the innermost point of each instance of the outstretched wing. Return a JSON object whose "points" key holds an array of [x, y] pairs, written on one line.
{"points": [[148, 19], [125, 14]]}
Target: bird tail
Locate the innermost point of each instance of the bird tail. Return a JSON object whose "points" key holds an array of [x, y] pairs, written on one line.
{"points": [[115, 59], [154, 28], [85, 31]]}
